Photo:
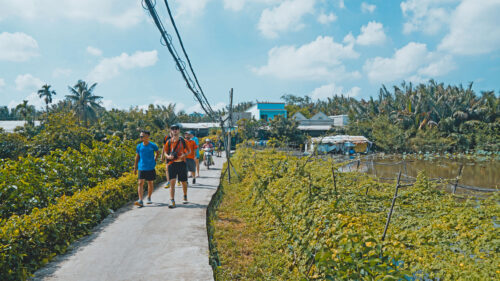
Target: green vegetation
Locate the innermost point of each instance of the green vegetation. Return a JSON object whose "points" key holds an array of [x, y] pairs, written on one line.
{"points": [[284, 219], [30, 241], [31, 182], [428, 117]]}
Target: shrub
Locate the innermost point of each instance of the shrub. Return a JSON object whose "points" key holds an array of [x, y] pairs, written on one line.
{"points": [[31, 182], [28, 242]]}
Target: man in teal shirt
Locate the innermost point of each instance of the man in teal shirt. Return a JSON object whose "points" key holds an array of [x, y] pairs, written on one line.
{"points": [[145, 160]]}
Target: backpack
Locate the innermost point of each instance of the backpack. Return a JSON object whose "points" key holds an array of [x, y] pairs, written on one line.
{"points": [[181, 139]]}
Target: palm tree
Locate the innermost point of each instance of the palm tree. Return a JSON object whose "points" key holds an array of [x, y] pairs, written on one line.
{"points": [[26, 111], [47, 94], [85, 103]]}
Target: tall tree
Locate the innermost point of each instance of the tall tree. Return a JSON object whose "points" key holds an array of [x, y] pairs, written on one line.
{"points": [[26, 111], [85, 103], [46, 94]]}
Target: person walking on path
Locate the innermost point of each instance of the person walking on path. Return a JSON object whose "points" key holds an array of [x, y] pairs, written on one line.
{"points": [[220, 146], [176, 150], [190, 163], [163, 157], [197, 156], [145, 161]]}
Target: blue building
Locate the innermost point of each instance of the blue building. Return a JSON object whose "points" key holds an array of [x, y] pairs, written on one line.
{"points": [[267, 110]]}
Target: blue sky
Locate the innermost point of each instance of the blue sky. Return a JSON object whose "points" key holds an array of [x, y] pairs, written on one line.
{"points": [[261, 48]]}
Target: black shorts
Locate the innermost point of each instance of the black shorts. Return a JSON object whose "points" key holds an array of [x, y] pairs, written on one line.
{"points": [[178, 170], [147, 175], [191, 165]]}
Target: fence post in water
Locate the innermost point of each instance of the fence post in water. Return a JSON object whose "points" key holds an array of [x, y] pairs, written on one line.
{"points": [[357, 167], [392, 206], [456, 180]]}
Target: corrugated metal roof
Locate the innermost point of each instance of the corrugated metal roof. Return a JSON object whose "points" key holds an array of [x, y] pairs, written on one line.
{"points": [[206, 125], [341, 139]]}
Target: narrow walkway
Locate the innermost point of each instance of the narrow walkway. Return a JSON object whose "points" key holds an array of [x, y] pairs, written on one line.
{"points": [[149, 243]]}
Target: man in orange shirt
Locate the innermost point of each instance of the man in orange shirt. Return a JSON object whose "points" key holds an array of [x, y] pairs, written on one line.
{"points": [[176, 151], [190, 163]]}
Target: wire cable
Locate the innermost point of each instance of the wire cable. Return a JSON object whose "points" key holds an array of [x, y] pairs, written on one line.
{"points": [[180, 65]]}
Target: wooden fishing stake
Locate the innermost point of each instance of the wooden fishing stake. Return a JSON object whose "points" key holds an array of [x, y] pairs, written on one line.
{"points": [[458, 177], [228, 147], [357, 167], [334, 183], [392, 206]]}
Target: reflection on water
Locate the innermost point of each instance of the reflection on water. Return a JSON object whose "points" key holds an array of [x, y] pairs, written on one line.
{"points": [[481, 174]]}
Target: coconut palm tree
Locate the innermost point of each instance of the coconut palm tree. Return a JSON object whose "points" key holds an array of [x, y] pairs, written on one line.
{"points": [[26, 111], [85, 103], [46, 94]]}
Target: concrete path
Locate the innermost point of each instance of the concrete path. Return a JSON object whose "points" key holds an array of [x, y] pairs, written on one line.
{"points": [[149, 243]]}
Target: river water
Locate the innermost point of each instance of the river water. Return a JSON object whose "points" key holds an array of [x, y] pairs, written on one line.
{"points": [[477, 173]]}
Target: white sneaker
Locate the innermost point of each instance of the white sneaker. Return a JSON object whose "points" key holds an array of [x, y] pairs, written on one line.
{"points": [[149, 201]]}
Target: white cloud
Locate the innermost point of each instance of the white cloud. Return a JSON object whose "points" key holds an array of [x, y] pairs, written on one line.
{"points": [[188, 9], [330, 90], [111, 67], [235, 5], [28, 82], [61, 72], [94, 51], [287, 16], [238, 5], [427, 16], [412, 62], [474, 28], [349, 39], [197, 107], [325, 19], [341, 4], [367, 8], [371, 34], [119, 13], [2, 82], [17, 47], [438, 67], [354, 92], [33, 99], [318, 60]]}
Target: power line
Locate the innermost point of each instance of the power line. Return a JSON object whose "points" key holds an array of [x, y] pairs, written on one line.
{"points": [[180, 64]]}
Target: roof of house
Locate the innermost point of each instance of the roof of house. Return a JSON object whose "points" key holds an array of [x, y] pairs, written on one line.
{"points": [[319, 116], [299, 116], [341, 139]]}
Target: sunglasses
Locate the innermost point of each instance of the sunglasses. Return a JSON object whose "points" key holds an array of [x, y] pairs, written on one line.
{"points": [[174, 129]]}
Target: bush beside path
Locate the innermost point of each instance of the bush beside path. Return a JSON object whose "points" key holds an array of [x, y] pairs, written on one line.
{"points": [[149, 243]]}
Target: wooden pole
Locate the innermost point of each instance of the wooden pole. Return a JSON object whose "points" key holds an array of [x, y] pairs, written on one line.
{"points": [[228, 148], [392, 207], [458, 177], [334, 183]]}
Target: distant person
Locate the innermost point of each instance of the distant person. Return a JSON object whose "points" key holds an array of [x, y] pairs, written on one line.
{"points": [[176, 150], [220, 146], [208, 147], [197, 155], [190, 163], [145, 160]]}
